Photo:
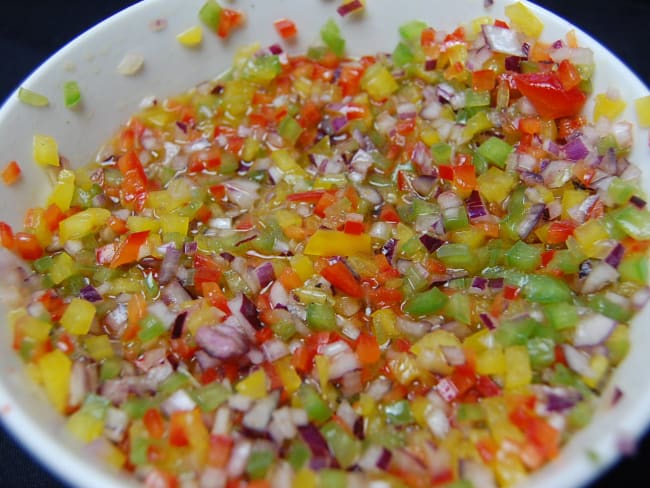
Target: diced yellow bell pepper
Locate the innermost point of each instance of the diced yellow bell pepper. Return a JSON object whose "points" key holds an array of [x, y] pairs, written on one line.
{"points": [[237, 97], [367, 405], [137, 223], [509, 470], [191, 37], [305, 478], [45, 150], [429, 136], [589, 237], [336, 243], [477, 123], [287, 218], [495, 185], [83, 223], [322, 370], [428, 353], [524, 20], [85, 426], [378, 82], [518, 372], [34, 328], [405, 369], [599, 365], [572, 198], [63, 266], [113, 456], [384, 323], [473, 237], [608, 107], [206, 314], [290, 379], [78, 316], [496, 413], [419, 409], [55, 370], [63, 191], [254, 385], [491, 362], [99, 347], [287, 164], [642, 106], [480, 341], [303, 266], [175, 224]]}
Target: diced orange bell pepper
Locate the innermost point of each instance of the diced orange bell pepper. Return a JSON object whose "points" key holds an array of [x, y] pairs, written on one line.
{"points": [[129, 249], [340, 276]]}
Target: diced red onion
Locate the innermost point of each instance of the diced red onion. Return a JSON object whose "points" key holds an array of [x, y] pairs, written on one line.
{"points": [[384, 123], [241, 192], [617, 395], [478, 474], [577, 55], [317, 444], [638, 202], [622, 132], [412, 328], [115, 424], [423, 184], [169, 265], [502, 40], [258, 417], [513, 63], [488, 3], [530, 178], [274, 349], [445, 92], [388, 249], [488, 321], [601, 275], [90, 294], [557, 173], [278, 296], [560, 401], [615, 255], [265, 274], [431, 110], [371, 195], [495, 283], [349, 7], [479, 283], [343, 363], [244, 309], [205, 361], [151, 358], [338, 123], [530, 220], [238, 458], [406, 111], [379, 387], [577, 360], [576, 149], [593, 330], [190, 248], [475, 207], [174, 293], [276, 49], [431, 243], [159, 310], [448, 200], [221, 343], [641, 298]]}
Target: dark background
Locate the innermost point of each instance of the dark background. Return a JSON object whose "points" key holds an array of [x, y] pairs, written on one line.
{"points": [[31, 30]]}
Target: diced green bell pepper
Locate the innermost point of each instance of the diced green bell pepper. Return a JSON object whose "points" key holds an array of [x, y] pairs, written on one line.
{"points": [[399, 412], [426, 303], [525, 257], [496, 151], [259, 463], [561, 315], [546, 289], [316, 408], [345, 447], [320, 316]]}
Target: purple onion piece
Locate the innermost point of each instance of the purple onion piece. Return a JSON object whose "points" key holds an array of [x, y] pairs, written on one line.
{"points": [[530, 220], [488, 3], [558, 44], [475, 207], [615, 255], [617, 395], [513, 63], [275, 49], [169, 265], [495, 283], [638, 202], [227, 256], [531, 178], [179, 322], [576, 149], [90, 294], [317, 444], [384, 460], [423, 184], [388, 249], [249, 311], [430, 242], [430, 64], [348, 8], [488, 321], [245, 240], [559, 403], [338, 123], [357, 428], [265, 274], [220, 342], [182, 126], [479, 283], [190, 248]]}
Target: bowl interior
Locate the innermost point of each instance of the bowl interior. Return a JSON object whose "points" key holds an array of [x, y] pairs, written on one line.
{"points": [[169, 68]]}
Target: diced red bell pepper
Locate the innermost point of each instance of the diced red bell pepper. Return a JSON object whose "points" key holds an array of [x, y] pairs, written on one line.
{"points": [[549, 97], [228, 21], [206, 270], [11, 173], [129, 249], [219, 450], [134, 184], [559, 231], [568, 74], [367, 349], [286, 28], [27, 246], [154, 423], [6, 235], [389, 214], [340, 276]]}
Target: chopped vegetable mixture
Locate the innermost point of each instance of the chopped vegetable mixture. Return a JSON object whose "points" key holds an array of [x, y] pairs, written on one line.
{"points": [[416, 268]]}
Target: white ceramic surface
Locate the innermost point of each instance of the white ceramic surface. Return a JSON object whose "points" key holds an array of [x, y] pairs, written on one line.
{"points": [[169, 68]]}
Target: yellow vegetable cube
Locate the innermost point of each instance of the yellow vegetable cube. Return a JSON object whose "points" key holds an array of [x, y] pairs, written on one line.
{"points": [[642, 106], [495, 185], [85, 426], [191, 37], [287, 218], [572, 198], [524, 20], [45, 150], [136, 223], [254, 385], [99, 347], [428, 353], [34, 328], [336, 243], [290, 379], [63, 191], [471, 236], [78, 316], [599, 365], [322, 369], [305, 478], [491, 362], [287, 164], [607, 107], [55, 370], [384, 324], [588, 237], [518, 372], [429, 136], [63, 266], [83, 223], [303, 266], [480, 341], [378, 82], [175, 224]]}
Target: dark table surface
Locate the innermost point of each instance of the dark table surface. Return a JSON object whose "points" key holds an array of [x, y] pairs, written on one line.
{"points": [[30, 31]]}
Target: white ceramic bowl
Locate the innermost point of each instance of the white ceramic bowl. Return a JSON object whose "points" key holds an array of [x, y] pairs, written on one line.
{"points": [[109, 98]]}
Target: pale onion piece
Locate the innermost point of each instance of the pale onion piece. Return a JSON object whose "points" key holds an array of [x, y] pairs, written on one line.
{"points": [[130, 64]]}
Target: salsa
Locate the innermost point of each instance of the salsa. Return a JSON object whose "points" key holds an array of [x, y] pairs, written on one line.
{"points": [[416, 268]]}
